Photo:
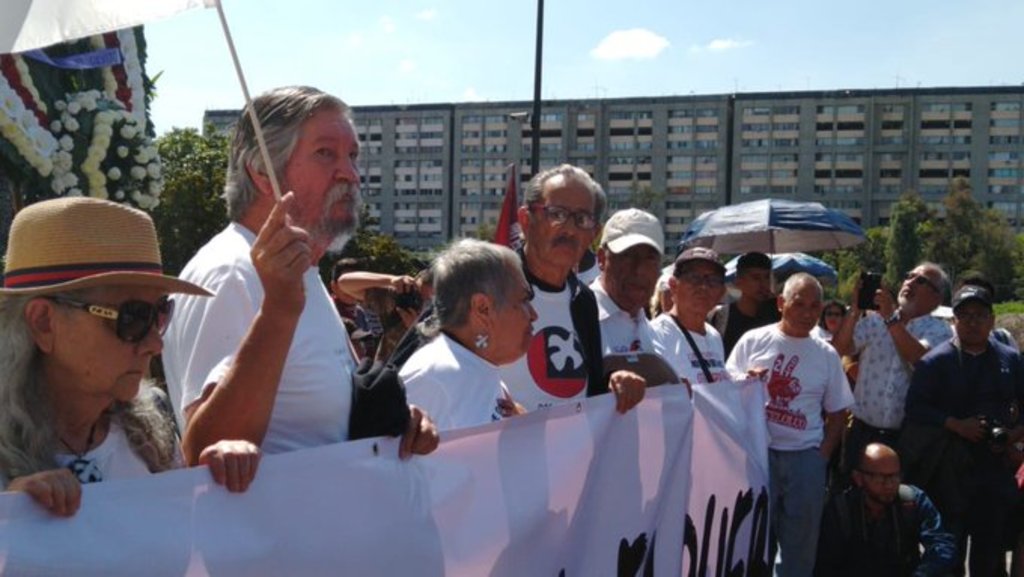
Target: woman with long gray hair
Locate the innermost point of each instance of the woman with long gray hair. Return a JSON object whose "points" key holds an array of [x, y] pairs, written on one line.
{"points": [[82, 309], [482, 319]]}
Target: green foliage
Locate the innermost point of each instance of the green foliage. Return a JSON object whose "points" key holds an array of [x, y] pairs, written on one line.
{"points": [[971, 238], [867, 256], [379, 252], [1008, 308], [904, 246], [191, 210]]}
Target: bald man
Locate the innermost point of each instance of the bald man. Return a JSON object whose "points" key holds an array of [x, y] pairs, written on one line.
{"points": [[878, 527]]}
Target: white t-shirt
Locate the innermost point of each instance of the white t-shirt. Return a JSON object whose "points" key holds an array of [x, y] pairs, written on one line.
{"points": [[671, 343], [453, 385], [621, 333], [315, 393], [882, 376], [805, 376], [112, 459], [552, 370]]}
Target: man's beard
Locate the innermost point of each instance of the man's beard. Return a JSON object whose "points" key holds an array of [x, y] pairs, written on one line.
{"points": [[336, 233]]}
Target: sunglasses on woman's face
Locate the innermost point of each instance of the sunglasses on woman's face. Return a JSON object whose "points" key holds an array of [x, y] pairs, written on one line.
{"points": [[133, 319]]}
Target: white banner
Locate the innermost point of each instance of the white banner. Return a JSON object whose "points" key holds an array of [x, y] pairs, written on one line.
{"points": [[577, 490], [727, 524]]}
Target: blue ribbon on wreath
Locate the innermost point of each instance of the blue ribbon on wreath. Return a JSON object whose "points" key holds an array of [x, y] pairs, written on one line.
{"points": [[86, 61]]}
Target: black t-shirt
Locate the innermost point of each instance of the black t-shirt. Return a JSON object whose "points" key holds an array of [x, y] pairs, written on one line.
{"points": [[739, 323]]}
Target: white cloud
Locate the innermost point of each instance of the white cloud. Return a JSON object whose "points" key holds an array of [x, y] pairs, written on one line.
{"points": [[387, 24], [354, 40], [470, 95], [635, 43], [406, 66], [721, 45], [428, 14]]}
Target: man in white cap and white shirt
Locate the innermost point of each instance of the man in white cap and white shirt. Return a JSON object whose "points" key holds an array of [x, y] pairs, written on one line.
{"points": [[630, 262]]}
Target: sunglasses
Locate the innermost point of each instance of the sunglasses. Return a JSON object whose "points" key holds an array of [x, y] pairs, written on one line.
{"points": [[132, 319], [920, 279]]}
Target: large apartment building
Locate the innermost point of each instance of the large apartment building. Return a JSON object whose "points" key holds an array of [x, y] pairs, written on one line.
{"points": [[437, 171]]}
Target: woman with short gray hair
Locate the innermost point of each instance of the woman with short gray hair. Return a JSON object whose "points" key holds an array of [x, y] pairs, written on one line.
{"points": [[482, 319]]}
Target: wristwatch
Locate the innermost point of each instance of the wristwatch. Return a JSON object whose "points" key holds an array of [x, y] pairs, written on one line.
{"points": [[893, 318]]}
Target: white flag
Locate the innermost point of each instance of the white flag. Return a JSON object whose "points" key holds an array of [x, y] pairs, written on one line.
{"points": [[30, 24]]}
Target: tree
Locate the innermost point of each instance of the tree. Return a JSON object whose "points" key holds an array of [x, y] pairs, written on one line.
{"points": [[971, 238], [867, 256], [191, 209], [379, 252], [904, 246]]}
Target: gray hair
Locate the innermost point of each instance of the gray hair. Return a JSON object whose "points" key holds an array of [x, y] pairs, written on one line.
{"points": [[28, 440], [797, 282], [466, 268], [535, 188], [944, 283], [281, 112]]}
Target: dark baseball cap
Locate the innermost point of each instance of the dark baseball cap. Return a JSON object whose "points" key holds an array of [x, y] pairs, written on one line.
{"points": [[972, 293], [698, 253]]}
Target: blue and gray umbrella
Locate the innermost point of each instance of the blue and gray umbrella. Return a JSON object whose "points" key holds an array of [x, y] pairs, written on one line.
{"points": [[772, 226], [789, 263]]}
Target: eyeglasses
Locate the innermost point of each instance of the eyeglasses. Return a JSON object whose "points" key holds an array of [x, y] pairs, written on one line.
{"points": [[560, 215], [708, 280], [973, 317], [881, 477], [920, 279], [133, 319]]}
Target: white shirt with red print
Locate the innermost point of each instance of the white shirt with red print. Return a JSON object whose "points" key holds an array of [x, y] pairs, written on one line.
{"points": [[805, 376]]}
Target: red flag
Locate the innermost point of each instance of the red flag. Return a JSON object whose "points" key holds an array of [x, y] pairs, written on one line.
{"points": [[508, 232]]}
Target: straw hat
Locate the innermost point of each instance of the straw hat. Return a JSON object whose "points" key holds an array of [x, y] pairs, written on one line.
{"points": [[79, 242]]}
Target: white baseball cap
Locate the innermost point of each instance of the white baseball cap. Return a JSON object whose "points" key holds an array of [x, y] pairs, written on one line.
{"points": [[630, 227]]}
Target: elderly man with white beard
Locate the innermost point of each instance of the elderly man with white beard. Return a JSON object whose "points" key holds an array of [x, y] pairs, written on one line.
{"points": [[267, 359]]}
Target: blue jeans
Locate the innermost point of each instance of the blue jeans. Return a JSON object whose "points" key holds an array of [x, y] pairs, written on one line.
{"points": [[797, 493]]}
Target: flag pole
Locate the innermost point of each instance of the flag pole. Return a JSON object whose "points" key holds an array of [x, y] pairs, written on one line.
{"points": [[257, 128]]}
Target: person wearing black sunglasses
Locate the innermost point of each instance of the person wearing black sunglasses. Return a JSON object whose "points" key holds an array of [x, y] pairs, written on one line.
{"points": [[888, 342], [82, 310]]}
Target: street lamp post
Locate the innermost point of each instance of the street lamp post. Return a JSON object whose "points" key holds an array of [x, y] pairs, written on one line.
{"points": [[535, 119]]}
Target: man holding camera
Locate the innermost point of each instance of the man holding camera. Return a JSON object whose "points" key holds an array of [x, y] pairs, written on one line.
{"points": [[889, 341], [970, 389]]}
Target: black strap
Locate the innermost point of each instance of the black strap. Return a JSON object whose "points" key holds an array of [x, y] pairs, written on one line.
{"points": [[696, 351]]}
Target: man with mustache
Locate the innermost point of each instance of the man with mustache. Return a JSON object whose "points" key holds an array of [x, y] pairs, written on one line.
{"points": [[559, 218], [267, 359]]}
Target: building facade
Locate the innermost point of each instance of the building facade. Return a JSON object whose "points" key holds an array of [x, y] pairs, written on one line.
{"points": [[432, 172]]}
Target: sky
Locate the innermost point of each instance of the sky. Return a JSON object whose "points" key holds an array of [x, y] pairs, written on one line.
{"points": [[381, 52]]}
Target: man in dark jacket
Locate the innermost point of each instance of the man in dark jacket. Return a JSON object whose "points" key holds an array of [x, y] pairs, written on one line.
{"points": [[879, 527], [971, 389]]}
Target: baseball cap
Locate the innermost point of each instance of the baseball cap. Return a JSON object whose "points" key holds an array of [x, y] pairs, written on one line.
{"points": [[698, 253], [630, 227], [972, 293]]}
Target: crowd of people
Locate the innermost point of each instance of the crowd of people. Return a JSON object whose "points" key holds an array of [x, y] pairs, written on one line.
{"points": [[260, 356]]}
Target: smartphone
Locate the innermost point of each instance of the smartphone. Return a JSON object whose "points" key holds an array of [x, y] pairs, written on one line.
{"points": [[870, 282], [409, 300]]}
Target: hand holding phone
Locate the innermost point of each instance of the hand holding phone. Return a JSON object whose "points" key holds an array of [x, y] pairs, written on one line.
{"points": [[870, 282]]}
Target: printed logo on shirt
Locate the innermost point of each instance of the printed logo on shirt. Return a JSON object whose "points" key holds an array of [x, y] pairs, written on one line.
{"points": [[555, 358], [783, 387]]}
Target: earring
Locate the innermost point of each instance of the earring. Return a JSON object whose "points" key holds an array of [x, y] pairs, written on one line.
{"points": [[481, 341]]}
